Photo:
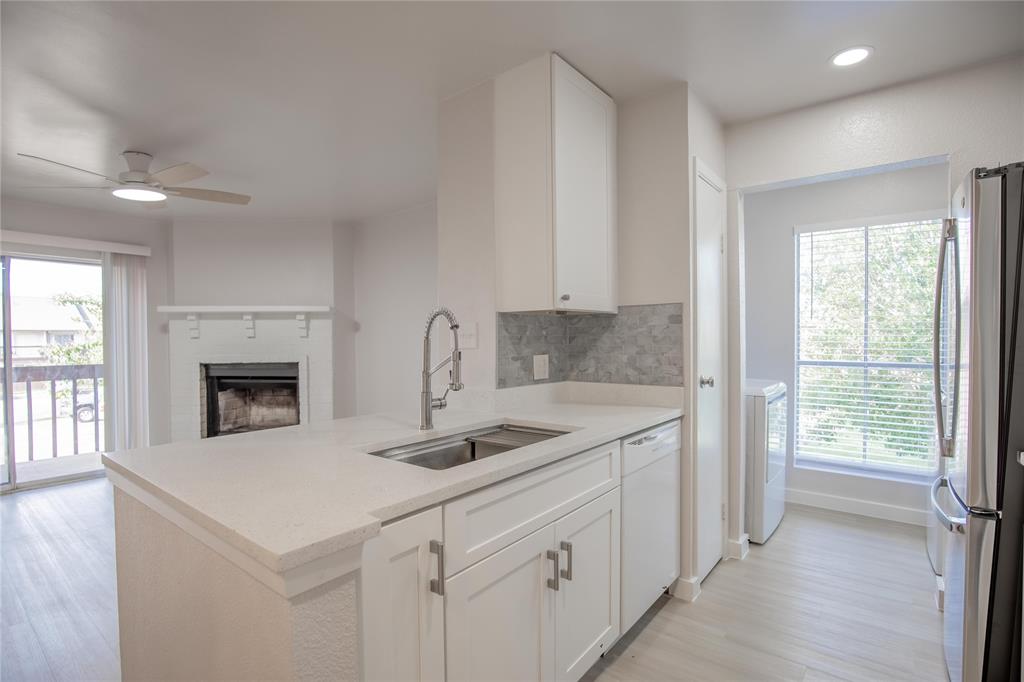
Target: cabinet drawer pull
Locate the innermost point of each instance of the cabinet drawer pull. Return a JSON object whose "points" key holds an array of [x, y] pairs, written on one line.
{"points": [[565, 297], [437, 584], [553, 582], [567, 571]]}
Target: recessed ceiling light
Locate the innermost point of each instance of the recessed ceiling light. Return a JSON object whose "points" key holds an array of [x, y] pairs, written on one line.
{"points": [[851, 56], [138, 194]]}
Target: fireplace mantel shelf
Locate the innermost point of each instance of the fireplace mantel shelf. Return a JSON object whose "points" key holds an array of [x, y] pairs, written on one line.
{"points": [[229, 309]]}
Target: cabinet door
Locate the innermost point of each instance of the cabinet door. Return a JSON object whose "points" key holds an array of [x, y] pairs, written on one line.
{"points": [[587, 615], [403, 620], [500, 614], [584, 196]]}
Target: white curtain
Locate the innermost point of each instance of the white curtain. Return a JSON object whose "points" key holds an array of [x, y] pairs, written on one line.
{"points": [[125, 361]]}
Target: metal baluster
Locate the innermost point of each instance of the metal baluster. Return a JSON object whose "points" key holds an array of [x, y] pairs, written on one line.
{"points": [[28, 408], [53, 416], [96, 409], [74, 413]]}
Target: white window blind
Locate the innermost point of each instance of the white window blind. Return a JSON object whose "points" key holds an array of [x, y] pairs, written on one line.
{"points": [[864, 345]]}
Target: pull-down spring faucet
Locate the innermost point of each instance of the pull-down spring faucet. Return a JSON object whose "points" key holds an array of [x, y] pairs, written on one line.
{"points": [[428, 403]]}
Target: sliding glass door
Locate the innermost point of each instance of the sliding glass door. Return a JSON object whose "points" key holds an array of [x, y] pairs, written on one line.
{"points": [[53, 368]]}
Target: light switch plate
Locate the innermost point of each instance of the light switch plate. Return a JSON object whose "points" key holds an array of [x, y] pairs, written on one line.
{"points": [[467, 335], [540, 367]]}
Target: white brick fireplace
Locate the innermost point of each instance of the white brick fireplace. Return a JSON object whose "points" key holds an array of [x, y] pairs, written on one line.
{"points": [[222, 337]]}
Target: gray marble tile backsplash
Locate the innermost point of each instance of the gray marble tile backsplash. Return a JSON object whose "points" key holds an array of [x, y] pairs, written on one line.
{"points": [[642, 345]]}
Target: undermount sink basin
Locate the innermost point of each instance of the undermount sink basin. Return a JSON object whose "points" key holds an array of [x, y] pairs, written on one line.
{"points": [[468, 446]]}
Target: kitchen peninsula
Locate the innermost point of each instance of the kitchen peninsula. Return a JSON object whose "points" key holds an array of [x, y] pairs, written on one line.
{"points": [[248, 556]]}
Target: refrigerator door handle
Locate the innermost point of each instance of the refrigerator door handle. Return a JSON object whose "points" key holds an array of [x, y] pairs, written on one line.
{"points": [[953, 524], [949, 234]]}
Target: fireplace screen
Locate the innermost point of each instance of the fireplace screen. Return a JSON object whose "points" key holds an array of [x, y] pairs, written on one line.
{"points": [[241, 397]]}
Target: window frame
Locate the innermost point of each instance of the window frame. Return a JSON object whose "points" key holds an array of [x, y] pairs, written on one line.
{"points": [[865, 468]]}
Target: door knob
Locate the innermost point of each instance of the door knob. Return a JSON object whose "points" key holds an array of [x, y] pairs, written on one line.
{"points": [[706, 381]]}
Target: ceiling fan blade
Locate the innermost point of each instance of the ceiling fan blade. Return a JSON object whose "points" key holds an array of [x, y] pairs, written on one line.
{"points": [[58, 163], [62, 187], [181, 173], [208, 195]]}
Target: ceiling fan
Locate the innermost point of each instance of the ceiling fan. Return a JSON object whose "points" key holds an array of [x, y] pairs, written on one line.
{"points": [[138, 184]]}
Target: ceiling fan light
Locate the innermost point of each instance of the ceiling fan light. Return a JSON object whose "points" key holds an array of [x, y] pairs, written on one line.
{"points": [[138, 194]]}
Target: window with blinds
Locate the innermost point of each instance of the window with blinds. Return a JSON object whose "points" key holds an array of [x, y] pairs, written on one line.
{"points": [[864, 346]]}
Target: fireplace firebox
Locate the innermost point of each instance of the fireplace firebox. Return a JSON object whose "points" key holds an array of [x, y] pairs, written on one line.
{"points": [[242, 397]]}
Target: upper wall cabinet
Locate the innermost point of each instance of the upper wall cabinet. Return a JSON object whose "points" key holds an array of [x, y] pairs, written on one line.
{"points": [[555, 187]]}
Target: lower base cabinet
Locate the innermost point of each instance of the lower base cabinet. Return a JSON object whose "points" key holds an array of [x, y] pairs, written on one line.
{"points": [[402, 616], [587, 613], [500, 614], [545, 607]]}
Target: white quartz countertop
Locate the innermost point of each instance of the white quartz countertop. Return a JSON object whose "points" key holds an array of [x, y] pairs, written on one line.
{"points": [[291, 495]]}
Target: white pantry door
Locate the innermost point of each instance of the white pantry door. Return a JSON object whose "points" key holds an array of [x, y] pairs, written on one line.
{"points": [[709, 350]]}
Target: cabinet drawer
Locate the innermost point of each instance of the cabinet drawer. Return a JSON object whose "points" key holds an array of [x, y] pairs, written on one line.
{"points": [[481, 523]]}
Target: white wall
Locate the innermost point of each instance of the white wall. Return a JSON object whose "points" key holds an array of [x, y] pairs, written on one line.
{"points": [[465, 229], [975, 115], [653, 218], [41, 218], [344, 326], [706, 134], [395, 258], [770, 313], [256, 262]]}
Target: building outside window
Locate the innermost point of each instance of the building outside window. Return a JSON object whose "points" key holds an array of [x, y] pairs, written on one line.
{"points": [[864, 346]]}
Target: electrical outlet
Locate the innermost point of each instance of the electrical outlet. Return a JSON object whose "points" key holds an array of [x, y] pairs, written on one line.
{"points": [[540, 367]]}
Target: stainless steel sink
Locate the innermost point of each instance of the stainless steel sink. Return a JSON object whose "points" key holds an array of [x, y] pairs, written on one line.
{"points": [[469, 446]]}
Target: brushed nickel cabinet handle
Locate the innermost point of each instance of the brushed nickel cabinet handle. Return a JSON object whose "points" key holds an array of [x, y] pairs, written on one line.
{"points": [[564, 297], [437, 584], [567, 571], [553, 582], [707, 381]]}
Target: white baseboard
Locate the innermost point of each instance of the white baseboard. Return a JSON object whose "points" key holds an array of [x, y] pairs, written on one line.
{"points": [[687, 589], [850, 505], [738, 549]]}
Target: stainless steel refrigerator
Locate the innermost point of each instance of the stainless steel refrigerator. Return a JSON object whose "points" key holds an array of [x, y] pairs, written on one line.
{"points": [[979, 395]]}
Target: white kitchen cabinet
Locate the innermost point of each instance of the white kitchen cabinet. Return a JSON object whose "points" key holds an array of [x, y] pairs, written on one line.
{"points": [[545, 607], [555, 190], [587, 613], [403, 617], [500, 614], [481, 523]]}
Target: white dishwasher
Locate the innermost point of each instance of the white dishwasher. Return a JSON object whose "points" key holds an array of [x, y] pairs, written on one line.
{"points": [[650, 519]]}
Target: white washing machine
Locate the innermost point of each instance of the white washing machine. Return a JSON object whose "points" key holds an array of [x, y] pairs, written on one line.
{"points": [[766, 457]]}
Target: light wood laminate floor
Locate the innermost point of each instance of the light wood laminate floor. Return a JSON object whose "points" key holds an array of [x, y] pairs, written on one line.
{"points": [[831, 596], [58, 594]]}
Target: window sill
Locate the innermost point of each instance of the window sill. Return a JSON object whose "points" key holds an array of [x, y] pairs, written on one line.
{"points": [[922, 478]]}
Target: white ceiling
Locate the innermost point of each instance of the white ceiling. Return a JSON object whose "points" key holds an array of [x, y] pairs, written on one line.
{"points": [[330, 109]]}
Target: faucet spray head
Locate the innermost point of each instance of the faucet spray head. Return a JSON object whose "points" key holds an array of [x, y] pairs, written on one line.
{"points": [[455, 377]]}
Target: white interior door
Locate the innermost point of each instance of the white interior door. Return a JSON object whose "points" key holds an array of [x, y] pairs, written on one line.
{"points": [[500, 614], [708, 367], [403, 620], [587, 615]]}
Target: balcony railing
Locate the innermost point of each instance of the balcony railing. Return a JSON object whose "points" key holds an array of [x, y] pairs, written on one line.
{"points": [[76, 385]]}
